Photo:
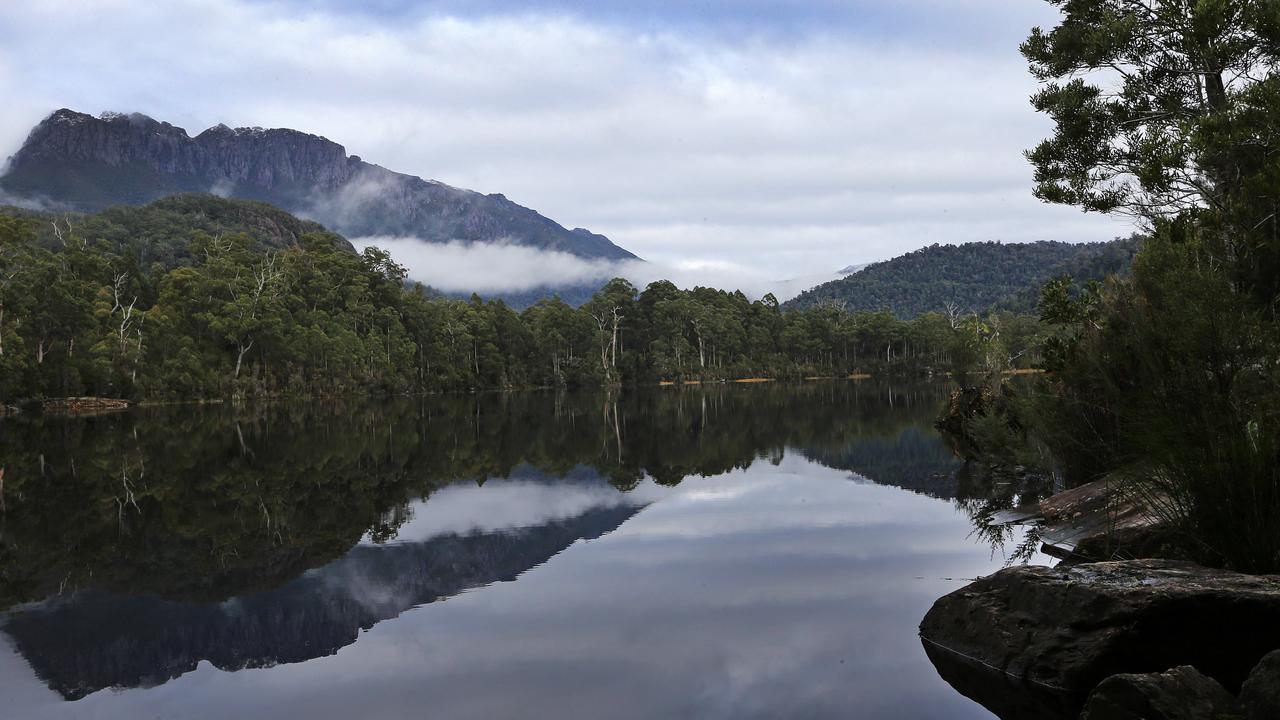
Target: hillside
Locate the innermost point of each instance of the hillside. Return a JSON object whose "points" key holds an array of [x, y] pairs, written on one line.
{"points": [[971, 277], [1115, 258], [159, 233], [85, 163]]}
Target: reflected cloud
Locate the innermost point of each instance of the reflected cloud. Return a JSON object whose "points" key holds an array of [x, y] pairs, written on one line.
{"points": [[501, 505]]}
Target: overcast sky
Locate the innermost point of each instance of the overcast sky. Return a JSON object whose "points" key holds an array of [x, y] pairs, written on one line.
{"points": [[783, 139]]}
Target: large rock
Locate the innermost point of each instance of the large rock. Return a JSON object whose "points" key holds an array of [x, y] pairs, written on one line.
{"points": [[1053, 634], [1260, 695], [1182, 693]]}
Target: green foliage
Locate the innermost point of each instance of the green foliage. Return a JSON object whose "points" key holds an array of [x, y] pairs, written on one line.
{"points": [[1168, 382], [973, 277], [1168, 111], [1165, 381], [1115, 259], [256, 303]]}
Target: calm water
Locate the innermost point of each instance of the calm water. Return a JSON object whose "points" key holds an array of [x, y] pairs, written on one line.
{"points": [[718, 552]]}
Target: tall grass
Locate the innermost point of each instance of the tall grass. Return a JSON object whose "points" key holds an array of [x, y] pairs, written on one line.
{"points": [[1170, 385], [1219, 496]]}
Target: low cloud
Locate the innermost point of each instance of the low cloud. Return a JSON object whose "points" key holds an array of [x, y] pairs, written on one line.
{"points": [[488, 268], [223, 188], [35, 203]]}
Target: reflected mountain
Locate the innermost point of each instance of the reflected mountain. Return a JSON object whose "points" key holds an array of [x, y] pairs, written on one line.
{"points": [[916, 459], [95, 640]]}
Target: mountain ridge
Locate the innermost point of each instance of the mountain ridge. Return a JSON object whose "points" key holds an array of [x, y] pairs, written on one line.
{"points": [[89, 163]]}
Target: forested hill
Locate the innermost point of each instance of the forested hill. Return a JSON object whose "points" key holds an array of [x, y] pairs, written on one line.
{"points": [[160, 233], [1115, 258], [973, 277]]}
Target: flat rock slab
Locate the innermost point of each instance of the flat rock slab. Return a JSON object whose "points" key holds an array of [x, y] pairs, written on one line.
{"points": [[1056, 633], [1086, 521]]}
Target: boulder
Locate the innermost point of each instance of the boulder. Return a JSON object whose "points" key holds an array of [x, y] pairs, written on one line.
{"points": [[1260, 694], [1055, 633], [1182, 693]]}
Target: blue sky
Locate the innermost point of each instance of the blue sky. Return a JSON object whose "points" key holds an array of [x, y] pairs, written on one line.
{"points": [[734, 143]]}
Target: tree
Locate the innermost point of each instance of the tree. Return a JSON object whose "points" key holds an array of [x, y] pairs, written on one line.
{"points": [[1168, 110], [245, 291], [609, 307], [1134, 88]]}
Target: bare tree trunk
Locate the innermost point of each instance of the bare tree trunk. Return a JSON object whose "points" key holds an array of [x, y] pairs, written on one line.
{"points": [[613, 344], [240, 357], [617, 432]]}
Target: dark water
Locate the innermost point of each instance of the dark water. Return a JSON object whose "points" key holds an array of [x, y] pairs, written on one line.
{"points": [[717, 552]]}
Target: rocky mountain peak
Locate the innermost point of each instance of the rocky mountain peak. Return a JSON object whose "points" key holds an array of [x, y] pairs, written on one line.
{"points": [[91, 163]]}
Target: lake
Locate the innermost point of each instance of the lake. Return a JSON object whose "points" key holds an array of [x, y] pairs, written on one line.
{"points": [[740, 551]]}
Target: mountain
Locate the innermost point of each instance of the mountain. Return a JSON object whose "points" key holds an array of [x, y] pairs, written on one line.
{"points": [[972, 277], [76, 161]]}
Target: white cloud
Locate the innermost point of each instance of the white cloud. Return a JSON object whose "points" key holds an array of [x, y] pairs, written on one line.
{"points": [[488, 268], [799, 153]]}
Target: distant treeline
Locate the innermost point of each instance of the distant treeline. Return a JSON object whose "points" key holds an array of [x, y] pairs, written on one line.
{"points": [[203, 297]]}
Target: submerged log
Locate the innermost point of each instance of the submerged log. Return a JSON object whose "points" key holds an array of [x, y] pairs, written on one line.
{"points": [[83, 406]]}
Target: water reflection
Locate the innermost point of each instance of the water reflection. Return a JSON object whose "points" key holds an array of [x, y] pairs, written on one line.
{"points": [[723, 566]]}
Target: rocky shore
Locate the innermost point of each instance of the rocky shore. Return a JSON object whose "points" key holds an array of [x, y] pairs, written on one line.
{"points": [[1100, 637]]}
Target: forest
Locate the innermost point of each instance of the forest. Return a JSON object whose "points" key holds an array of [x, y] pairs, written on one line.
{"points": [[1162, 383], [200, 297]]}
